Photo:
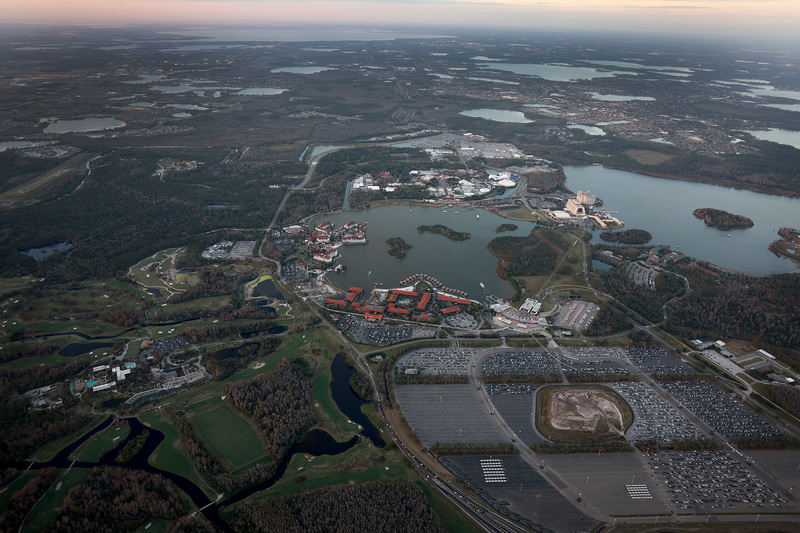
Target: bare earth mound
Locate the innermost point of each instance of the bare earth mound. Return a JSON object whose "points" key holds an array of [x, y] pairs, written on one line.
{"points": [[582, 413]]}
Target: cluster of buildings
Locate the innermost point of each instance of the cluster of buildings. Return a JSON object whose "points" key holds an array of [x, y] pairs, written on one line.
{"points": [[580, 210], [230, 250], [525, 318], [440, 183], [326, 237], [399, 303], [103, 377]]}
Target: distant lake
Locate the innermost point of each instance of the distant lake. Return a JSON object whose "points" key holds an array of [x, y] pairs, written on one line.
{"points": [[591, 130], [302, 70], [620, 98], [46, 251], [792, 138], [83, 124], [494, 80], [191, 107], [172, 89], [498, 115], [553, 72], [664, 208], [16, 145], [145, 78], [321, 149], [260, 91], [631, 65]]}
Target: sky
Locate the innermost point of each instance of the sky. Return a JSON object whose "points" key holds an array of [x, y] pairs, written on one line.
{"points": [[731, 18]]}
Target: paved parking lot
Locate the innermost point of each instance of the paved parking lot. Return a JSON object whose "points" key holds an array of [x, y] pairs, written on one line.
{"points": [[601, 368], [446, 413], [380, 334], [522, 362], [712, 481], [654, 418], [576, 315], [525, 493], [514, 402], [462, 320], [431, 361], [594, 353], [720, 410], [657, 360]]}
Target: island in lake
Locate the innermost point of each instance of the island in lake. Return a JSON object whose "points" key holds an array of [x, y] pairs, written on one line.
{"points": [[717, 218], [628, 236], [788, 245], [505, 227], [398, 247], [447, 232]]}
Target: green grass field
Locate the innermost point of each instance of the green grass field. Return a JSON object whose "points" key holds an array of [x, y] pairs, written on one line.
{"points": [[168, 455], [451, 517], [14, 486], [647, 157], [102, 442], [49, 450], [229, 436], [30, 191], [46, 509]]}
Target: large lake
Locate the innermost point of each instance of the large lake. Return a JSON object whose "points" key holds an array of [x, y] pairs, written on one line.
{"points": [[459, 265], [664, 208], [83, 125]]}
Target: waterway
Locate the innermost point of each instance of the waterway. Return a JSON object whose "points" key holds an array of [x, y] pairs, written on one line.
{"points": [[260, 91], [46, 251], [83, 125], [80, 348], [460, 265], [302, 70], [553, 72], [498, 115], [664, 208], [779, 136], [348, 402]]}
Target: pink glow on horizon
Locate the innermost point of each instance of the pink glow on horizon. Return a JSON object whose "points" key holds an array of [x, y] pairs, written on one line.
{"points": [[704, 17]]}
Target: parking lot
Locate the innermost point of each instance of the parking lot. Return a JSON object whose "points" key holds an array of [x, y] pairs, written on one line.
{"points": [[594, 353], [462, 320], [514, 402], [720, 410], [436, 361], [712, 481], [600, 368], [655, 418], [656, 360], [379, 334], [576, 315], [522, 362], [446, 413]]}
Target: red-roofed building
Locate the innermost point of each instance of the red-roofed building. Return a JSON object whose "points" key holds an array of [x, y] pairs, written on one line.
{"points": [[356, 289], [340, 303], [448, 310], [426, 297], [372, 317], [397, 310], [412, 294], [450, 299], [392, 298]]}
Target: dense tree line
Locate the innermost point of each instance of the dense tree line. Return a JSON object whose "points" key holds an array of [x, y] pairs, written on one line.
{"points": [[513, 377], [612, 446], [471, 448], [761, 442], [431, 379], [629, 236], [117, 499], [361, 386], [23, 500], [223, 368], [211, 469], [641, 299], [398, 506], [533, 255], [213, 282], [787, 397], [132, 447], [584, 377], [717, 218], [214, 332], [607, 322], [740, 306], [194, 524], [22, 429], [279, 401], [29, 349]]}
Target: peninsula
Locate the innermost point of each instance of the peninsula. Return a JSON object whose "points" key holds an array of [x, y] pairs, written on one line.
{"points": [[628, 236]]}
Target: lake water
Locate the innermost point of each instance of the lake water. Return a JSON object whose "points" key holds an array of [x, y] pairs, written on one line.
{"points": [[84, 124], [552, 72], [498, 115], [46, 251], [191, 107], [621, 98], [321, 149], [591, 130], [460, 265], [260, 91], [632, 65], [494, 80], [16, 145], [792, 138], [174, 89], [302, 70], [664, 208]]}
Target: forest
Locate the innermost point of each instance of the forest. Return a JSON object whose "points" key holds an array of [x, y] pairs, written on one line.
{"points": [[451, 234], [131, 497], [397, 506], [628, 236], [719, 219], [534, 255], [470, 448], [279, 401], [398, 247]]}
